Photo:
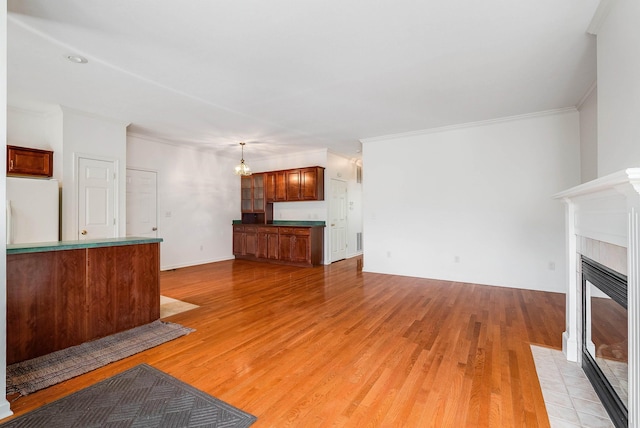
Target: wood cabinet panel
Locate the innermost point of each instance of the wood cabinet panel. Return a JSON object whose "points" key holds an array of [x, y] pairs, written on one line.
{"points": [[312, 184], [59, 299], [23, 161], [123, 288], [267, 238], [276, 186], [295, 247], [45, 301], [245, 241], [300, 246], [292, 179]]}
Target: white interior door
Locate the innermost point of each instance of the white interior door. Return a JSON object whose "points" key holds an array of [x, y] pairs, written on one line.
{"points": [[96, 199], [338, 220], [142, 214]]}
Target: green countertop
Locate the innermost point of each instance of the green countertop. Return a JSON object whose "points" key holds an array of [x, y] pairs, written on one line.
{"points": [[291, 223], [40, 247]]}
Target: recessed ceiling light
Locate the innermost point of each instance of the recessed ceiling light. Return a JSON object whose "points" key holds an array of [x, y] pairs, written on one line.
{"points": [[77, 59]]}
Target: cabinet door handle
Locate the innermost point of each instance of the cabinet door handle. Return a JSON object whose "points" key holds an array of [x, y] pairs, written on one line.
{"points": [[154, 228], [84, 232]]}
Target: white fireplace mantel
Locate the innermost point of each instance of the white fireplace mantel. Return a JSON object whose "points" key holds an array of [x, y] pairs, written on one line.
{"points": [[605, 210]]}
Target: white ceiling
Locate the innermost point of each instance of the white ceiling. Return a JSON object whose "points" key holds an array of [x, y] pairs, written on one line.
{"points": [[289, 75]]}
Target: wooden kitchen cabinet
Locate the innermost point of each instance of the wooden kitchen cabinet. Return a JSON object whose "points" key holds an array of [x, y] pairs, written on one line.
{"points": [[268, 243], [300, 184], [62, 298], [295, 244], [312, 184], [252, 193], [305, 184], [276, 186], [244, 240], [253, 202], [299, 246], [23, 161]]}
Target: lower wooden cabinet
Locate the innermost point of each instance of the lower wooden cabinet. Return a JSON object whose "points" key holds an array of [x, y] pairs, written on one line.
{"points": [[300, 245], [245, 240], [58, 299], [268, 243]]}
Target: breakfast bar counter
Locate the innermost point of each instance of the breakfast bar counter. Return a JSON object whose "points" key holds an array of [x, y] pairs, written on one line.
{"points": [[61, 294]]}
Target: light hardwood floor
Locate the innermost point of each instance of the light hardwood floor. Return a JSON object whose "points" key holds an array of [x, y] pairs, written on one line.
{"points": [[335, 346]]}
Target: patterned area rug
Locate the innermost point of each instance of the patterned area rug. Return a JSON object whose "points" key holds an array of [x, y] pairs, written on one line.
{"points": [[139, 397], [32, 375]]}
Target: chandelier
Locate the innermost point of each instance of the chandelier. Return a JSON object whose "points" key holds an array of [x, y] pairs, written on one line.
{"points": [[242, 168]]}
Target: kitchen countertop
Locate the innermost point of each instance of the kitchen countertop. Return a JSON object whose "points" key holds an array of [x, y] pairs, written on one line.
{"points": [[40, 247], [290, 223]]}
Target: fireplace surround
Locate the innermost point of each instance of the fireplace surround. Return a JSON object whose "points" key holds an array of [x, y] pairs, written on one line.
{"points": [[602, 227]]}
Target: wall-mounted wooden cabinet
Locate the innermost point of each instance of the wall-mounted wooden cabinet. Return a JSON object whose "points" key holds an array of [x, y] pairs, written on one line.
{"points": [[253, 202], [23, 161], [276, 186], [301, 184], [252, 193]]}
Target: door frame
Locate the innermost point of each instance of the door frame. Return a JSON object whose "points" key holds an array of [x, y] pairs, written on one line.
{"points": [[346, 228], [76, 196], [144, 170]]}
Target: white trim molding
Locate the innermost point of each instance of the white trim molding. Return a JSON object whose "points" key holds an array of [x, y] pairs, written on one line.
{"points": [[605, 210]]}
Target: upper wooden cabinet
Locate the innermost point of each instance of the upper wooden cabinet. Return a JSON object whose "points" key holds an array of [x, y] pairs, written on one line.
{"points": [[23, 161], [252, 197], [276, 186], [253, 203], [302, 184]]}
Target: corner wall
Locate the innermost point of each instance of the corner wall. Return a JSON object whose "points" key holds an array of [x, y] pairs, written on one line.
{"points": [[198, 198], [5, 410], [619, 89], [473, 203]]}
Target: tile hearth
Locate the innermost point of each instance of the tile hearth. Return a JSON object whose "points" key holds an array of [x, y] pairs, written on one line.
{"points": [[570, 399]]}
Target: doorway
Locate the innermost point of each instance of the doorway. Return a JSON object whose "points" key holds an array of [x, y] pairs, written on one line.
{"points": [[142, 208], [97, 198], [338, 219]]}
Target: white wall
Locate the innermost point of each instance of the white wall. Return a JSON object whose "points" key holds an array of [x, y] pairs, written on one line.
{"points": [[198, 198], [472, 203], [619, 89], [589, 136], [4, 404]]}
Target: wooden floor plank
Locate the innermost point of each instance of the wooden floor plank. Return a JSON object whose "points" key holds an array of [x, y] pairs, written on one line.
{"points": [[334, 346]]}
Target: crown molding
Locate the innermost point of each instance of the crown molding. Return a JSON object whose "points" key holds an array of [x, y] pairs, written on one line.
{"points": [[470, 125], [586, 95], [77, 112], [600, 16], [42, 113]]}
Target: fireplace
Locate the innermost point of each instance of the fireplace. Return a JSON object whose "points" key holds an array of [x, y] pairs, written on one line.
{"points": [[603, 289], [605, 338]]}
